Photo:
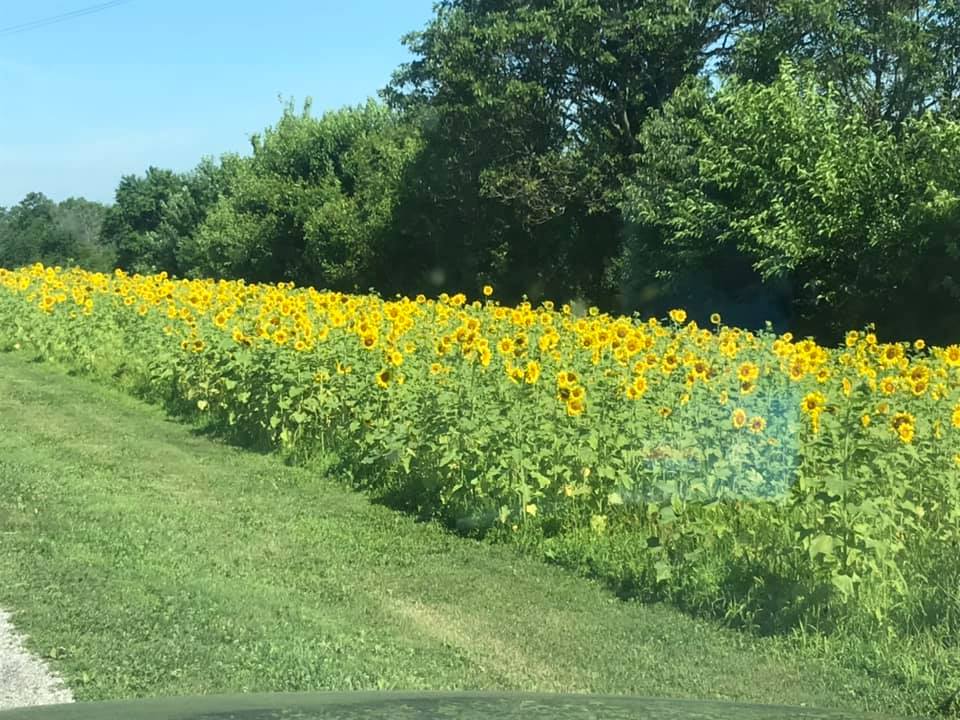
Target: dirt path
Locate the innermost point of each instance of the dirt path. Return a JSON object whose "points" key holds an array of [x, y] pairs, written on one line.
{"points": [[24, 679]]}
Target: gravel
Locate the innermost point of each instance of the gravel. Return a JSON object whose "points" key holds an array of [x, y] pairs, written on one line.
{"points": [[24, 679]]}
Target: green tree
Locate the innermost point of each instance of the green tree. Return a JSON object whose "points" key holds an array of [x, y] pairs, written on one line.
{"points": [[785, 192], [314, 203], [40, 230], [529, 112], [82, 220], [158, 213], [30, 234], [132, 222], [893, 59]]}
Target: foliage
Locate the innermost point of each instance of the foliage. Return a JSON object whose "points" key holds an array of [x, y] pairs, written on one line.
{"points": [[155, 214], [40, 230], [529, 113], [891, 59], [314, 203], [853, 219]]}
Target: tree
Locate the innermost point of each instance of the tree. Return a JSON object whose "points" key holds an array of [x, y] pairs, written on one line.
{"points": [[529, 113], [893, 59], [155, 215], [785, 190], [313, 204], [40, 230], [132, 222]]}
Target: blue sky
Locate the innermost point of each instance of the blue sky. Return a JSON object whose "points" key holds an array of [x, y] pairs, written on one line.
{"points": [[165, 82]]}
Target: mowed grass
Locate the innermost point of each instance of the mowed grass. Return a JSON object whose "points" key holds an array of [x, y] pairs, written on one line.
{"points": [[146, 560]]}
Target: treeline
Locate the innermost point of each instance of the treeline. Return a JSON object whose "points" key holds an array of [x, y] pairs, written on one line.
{"points": [[69, 232], [791, 160]]}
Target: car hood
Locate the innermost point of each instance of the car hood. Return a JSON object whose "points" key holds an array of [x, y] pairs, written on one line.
{"points": [[424, 706]]}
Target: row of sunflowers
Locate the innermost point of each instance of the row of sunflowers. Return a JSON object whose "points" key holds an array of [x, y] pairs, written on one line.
{"points": [[695, 454]]}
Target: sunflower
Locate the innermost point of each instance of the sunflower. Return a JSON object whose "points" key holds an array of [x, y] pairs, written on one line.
{"points": [[532, 373], [757, 424], [797, 371], [847, 387], [888, 385], [904, 424], [951, 355], [670, 363], [715, 318], [383, 378], [813, 403], [739, 418], [701, 370], [891, 355], [639, 385], [748, 372], [575, 407], [865, 419], [678, 316]]}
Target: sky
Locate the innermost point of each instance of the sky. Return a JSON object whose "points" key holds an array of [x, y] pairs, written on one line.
{"points": [[165, 82]]}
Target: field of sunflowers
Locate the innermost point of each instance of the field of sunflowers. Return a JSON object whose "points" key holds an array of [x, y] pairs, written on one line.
{"points": [[760, 478]]}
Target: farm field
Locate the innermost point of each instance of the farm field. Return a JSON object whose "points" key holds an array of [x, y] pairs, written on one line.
{"points": [[145, 560], [762, 482]]}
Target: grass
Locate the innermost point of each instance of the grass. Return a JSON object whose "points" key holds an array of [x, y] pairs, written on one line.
{"points": [[145, 560]]}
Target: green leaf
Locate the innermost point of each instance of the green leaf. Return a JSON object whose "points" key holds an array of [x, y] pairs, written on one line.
{"points": [[821, 545], [663, 570], [843, 583]]}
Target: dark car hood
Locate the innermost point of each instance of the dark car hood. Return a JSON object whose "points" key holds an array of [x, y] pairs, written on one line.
{"points": [[424, 705]]}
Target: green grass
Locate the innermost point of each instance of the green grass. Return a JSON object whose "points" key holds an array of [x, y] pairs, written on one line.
{"points": [[146, 560]]}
